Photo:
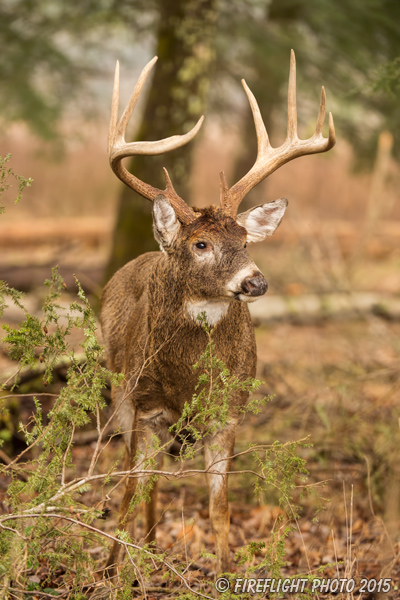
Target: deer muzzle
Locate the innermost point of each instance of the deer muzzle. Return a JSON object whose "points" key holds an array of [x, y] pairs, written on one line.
{"points": [[255, 285]]}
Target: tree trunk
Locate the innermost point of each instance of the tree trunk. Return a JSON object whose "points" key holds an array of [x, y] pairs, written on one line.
{"points": [[176, 100]]}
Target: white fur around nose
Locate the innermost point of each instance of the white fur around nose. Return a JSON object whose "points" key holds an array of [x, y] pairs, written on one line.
{"points": [[214, 309], [235, 284]]}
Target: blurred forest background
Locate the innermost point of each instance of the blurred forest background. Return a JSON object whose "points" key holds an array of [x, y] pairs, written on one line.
{"points": [[329, 327], [56, 72]]}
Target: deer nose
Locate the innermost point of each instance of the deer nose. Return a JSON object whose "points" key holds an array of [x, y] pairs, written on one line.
{"points": [[255, 285]]}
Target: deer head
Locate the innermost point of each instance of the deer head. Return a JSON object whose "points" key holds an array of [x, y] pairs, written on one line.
{"points": [[216, 237]]}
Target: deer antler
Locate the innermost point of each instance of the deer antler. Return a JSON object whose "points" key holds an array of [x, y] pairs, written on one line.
{"points": [[269, 159], [119, 149]]}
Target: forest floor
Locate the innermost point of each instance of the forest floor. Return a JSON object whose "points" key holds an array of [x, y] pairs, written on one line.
{"points": [[335, 383], [333, 380]]}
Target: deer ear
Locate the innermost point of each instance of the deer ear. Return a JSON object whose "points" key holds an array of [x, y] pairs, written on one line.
{"points": [[165, 222], [262, 221]]}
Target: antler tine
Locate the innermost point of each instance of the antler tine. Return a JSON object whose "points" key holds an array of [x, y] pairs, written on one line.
{"points": [[263, 144], [170, 190], [269, 159], [130, 107], [292, 104], [114, 110], [261, 132], [119, 149], [321, 113], [224, 195], [158, 147], [332, 133], [330, 142]]}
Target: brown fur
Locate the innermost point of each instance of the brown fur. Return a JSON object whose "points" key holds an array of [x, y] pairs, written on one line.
{"points": [[150, 338]]}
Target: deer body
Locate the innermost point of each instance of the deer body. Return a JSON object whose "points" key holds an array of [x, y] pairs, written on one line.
{"points": [[152, 334], [153, 323], [150, 307]]}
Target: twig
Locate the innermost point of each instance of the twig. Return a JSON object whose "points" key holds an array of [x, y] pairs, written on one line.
{"points": [[28, 395], [371, 506], [5, 457], [37, 592], [5, 385], [36, 441], [139, 575], [97, 449], [13, 531], [82, 438], [30, 373], [136, 472], [64, 461], [111, 537]]}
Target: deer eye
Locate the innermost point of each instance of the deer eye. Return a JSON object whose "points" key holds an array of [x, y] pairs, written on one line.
{"points": [[245, 245], [201, 245]]}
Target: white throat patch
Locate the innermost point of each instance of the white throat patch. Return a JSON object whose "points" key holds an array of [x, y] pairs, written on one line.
{"points": [[214, 309]]}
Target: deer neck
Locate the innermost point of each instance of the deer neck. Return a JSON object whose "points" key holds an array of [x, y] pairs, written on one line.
{"points": [[171, 290]]}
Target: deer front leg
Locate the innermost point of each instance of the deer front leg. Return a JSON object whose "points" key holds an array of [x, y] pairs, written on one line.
{"points": [[217, 450], [141, 448], [151, 507]]}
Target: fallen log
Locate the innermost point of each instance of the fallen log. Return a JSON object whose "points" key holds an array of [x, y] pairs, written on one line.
{"points": [[91, 230], [316, 307], [98, 230]]}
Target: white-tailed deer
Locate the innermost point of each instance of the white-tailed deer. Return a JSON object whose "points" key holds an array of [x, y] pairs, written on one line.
{"points": [[150, 307]]}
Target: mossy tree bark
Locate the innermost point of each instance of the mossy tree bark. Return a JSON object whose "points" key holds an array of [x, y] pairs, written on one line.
{"points": [[176, 100]]}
